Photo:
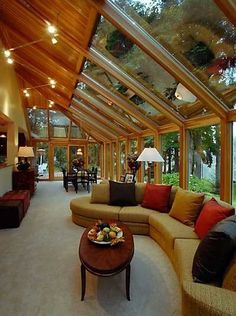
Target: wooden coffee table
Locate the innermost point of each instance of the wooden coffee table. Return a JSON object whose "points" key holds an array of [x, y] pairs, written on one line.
{"points": [[106, 260]]}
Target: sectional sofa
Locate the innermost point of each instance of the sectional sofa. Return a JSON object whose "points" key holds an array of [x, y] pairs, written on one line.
{"points": [[178, 240]]}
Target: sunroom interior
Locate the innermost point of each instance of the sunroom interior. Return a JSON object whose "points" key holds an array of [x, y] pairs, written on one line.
{"points": [[114, 77]]}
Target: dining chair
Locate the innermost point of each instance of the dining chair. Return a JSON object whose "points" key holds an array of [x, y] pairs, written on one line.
{"points": [[69, 178], [83, 179]]}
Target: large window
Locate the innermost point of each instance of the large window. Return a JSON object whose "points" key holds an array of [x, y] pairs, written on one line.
{"points": [[114, 158], [204, 159], [60, 160], [148, 141], [93, 155], [170, 154], [38, 119], [59, 124], [42, 160], [122, 157]]}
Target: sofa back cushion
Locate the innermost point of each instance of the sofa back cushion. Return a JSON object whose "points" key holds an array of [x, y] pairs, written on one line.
{"points": [[229, 281], [212, 213], [100, 193], [139, 191], [186, 206], [215, 252], [156, 197]]}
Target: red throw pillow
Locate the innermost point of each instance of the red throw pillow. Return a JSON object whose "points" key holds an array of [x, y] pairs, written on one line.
{"points": [[156, 197], [211, 213]]}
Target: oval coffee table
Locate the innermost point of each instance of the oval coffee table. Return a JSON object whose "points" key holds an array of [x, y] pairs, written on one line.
{"points": [[106, 260]]}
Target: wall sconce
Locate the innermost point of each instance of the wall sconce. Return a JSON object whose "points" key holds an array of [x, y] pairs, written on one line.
{"points": [[150, 155], [25, 153], [184, 94]]}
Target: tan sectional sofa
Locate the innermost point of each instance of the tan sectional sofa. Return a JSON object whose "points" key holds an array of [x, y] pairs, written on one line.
{"points": [[177, 240]]}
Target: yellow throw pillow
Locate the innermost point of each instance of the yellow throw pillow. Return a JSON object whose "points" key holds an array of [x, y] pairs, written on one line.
{"points": [[100, 193], [186, 206], [229, 281]]}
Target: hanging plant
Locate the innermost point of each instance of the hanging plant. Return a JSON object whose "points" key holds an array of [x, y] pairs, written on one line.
{"points": [[200, 54], [118, 44]]}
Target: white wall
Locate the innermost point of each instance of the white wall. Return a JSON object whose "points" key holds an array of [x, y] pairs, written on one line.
{"points": [[5, 179]]}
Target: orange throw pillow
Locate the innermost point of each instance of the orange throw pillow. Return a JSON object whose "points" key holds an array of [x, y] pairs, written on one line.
{"points": [[156, 197], [211, 213], [186, 206]]}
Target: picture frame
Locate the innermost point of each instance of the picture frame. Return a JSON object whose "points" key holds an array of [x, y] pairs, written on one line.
{"points": [[129, 177], [122, 178]]}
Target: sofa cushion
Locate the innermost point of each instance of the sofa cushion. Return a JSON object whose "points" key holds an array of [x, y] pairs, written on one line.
{"points": [[100, 193], [135, 214], [211, 213], [229, 281], [186, 206], [156, 197], [170, 228], [82, 206], [139, 192], [215, 252], [122, 193]]}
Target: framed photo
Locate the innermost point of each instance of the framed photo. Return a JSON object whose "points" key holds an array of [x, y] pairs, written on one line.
{"points": [[129, 177], [122, 178]]}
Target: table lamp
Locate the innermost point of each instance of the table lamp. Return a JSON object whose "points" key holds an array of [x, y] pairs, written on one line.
{"points": [[150, 155], [25, 153]]}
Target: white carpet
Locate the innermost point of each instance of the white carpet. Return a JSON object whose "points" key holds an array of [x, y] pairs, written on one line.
{"points": [[40, 268]]}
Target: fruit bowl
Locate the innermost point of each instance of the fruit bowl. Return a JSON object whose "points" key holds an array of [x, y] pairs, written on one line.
{"points": [[105, 234]]}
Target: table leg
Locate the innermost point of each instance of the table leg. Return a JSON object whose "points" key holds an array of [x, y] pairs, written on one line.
{"points": [[83, 281], [128, 282]]}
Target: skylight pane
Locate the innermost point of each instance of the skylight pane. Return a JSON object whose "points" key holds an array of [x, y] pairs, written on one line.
{"points": [[196, 33], [131, 59], [118, 88], [91, 97]]}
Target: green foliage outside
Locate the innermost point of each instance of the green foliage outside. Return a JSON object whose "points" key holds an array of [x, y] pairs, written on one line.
{"points": [[170, 178], [195, 184], [61, 159]]}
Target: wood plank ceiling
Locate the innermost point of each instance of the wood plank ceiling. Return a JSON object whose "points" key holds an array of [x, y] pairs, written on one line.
{"points": [[26, 21]]}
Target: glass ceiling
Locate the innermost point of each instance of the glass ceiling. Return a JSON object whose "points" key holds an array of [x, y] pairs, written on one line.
{"points": [[131, 59], [198, 34], [99, 98], [118, 88]]}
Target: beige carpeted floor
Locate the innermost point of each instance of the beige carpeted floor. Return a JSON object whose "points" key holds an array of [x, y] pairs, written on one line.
{"points": [[40, 268]]}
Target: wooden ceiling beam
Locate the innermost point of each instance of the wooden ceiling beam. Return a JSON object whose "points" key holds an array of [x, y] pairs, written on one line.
{"points": [[87, 110], [40, 53], [45, 91], [161, 55], [229, 9], [155, 101], [122, 103], [101, 106]]}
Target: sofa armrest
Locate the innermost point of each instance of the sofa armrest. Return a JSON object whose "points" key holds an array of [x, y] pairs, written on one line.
{"points": [[202, 299]]}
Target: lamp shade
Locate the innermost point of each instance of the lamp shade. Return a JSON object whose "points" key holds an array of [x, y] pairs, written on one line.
{"points": [[150, 155], [79, 151], [26, 152], [184, 94]]}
